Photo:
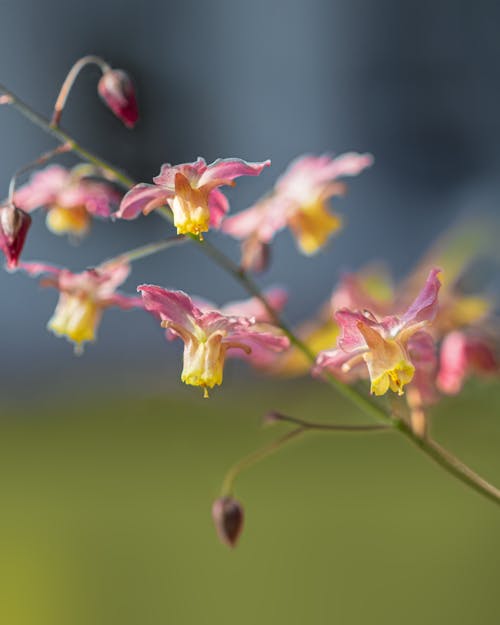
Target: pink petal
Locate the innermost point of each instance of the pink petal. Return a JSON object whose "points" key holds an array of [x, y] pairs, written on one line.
{"points": [[460, 354], [98, 198], [35, 269], [191, 171], [425, 305], [253, 307], [331, 360], [43, 188], [142, 197], [126, 301], [350, 337], [350, 164], [174, 306], [225, 170], [263, 220], [218, 206]]}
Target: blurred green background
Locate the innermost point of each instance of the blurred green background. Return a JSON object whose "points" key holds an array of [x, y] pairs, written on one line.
{"points": [[106, 499]]}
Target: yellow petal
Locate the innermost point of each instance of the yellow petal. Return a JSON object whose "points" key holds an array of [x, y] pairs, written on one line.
{"points": [[312, 226], [76, 318], [68, 220]]}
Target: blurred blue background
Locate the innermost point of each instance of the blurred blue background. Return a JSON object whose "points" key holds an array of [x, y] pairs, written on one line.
{"points": [[108, 464]]}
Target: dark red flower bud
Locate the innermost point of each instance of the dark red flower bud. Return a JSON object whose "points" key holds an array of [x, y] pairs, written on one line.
{"points": [[14, 226], [117, 91], [227, 514]]}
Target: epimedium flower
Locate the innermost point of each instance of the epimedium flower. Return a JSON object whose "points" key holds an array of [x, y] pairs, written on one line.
{"points": [[117, 91], [70, 198], [14, 226], [83, 297], [192, 192], [384, 346], [299, 201], [208, 335]]}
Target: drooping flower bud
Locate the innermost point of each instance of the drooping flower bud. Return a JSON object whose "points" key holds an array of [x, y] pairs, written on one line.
{"points": [[117, 91], [227, 514], [14, 226]]}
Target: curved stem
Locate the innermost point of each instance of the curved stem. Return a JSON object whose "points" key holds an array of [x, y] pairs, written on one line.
{"points": [[256, 456], [111, 172], [69, 82], [432, 449]]}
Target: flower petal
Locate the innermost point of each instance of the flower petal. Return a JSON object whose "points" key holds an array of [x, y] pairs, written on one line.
{"points": [[142, 197], [43, 188], [424, 307], [173, 306], [218, 205], [225, 170], [192, 171]]}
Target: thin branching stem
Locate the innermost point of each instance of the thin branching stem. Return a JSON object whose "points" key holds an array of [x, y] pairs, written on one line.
{"points": [[69, 81], [446, 460]]}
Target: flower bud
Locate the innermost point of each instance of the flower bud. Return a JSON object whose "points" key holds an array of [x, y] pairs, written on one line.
{"points": [[14, 226], [227, 514], [117, 91]]}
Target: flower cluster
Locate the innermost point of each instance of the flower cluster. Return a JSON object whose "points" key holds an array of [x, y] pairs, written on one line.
{"points": [[419, 339]]}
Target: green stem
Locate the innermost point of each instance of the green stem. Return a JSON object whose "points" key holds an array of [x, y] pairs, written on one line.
{"points": [[147, 250], [451, 463], [42, 122], [256, 456], [429, 447], [69, 81]]}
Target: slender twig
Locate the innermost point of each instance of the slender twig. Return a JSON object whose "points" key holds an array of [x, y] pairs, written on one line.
{"points": [[432, 449], [147, 250], [42, 122], [69, 82], [327, 427], [256, 456], [451, 463]]}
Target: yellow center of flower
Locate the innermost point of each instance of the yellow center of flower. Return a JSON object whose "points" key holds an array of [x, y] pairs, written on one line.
{"points": [[395, 379], [189, 207], [387, 362], [75, 317], [312, 225], [204, 361], [62, 220]]}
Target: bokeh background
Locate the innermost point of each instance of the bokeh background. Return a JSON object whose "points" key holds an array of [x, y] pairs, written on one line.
{"points": [[108, 465]]}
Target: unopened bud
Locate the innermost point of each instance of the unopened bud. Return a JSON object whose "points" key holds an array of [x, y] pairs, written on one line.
{"points": [[14, 226], [227, 514], [117, 91]]}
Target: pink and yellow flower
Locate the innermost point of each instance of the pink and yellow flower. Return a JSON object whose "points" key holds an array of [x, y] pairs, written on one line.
{"points": [[83, 298], [384, 346], [299, 200], [71, 200], [192, 192], [208, 335]]}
